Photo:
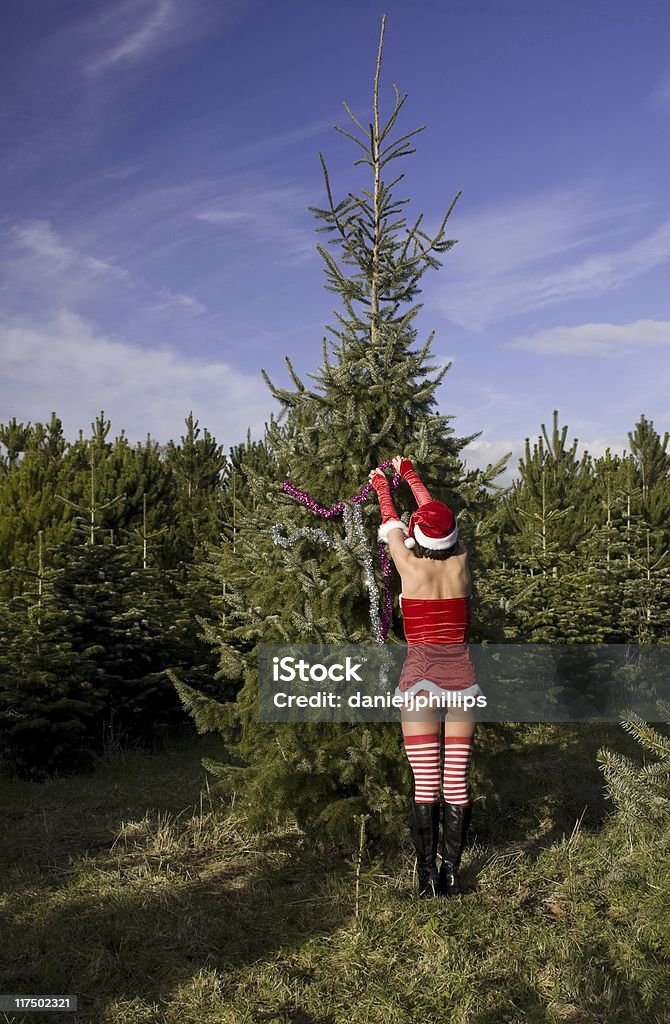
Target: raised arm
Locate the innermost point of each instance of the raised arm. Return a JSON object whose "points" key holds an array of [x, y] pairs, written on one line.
{"points": [[392, 530], [408, 473], [390, 518]]}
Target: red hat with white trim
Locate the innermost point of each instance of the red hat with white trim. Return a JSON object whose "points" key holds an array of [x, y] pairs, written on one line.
{"points": [[433, 526]]}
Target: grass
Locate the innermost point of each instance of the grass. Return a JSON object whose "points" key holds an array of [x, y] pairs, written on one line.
{"points": [[138, 889]]}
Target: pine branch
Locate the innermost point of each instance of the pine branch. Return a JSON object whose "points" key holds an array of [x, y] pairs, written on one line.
{"points": [[647, 736]]}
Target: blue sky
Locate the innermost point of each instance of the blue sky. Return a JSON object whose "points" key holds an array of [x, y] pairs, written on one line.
{"points": [[159, 157]]}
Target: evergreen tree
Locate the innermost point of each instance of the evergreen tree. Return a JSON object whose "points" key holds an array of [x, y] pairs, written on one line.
{"points": [[91, 484], [49, 697], [196, 468], [373, 395], [641, 792], [247, 461], [116, 612], [550, 513], [121, 617], [28, 496], [652, 469], [646, 592], [627, 553], [553, 499], [607, 551], [15, 437], [482, 526], [207, 593], [641, 823]]}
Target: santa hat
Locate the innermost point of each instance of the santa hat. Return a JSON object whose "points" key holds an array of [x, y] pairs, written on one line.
{"points": [[433, 526]]}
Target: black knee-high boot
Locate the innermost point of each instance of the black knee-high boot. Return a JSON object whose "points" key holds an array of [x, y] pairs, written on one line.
{"points": [[455, 825], [425, 830]]}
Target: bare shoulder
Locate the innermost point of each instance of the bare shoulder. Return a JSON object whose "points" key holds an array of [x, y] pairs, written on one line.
{"points": [[403, 558]]}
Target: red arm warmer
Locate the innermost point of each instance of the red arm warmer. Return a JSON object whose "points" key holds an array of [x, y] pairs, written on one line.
{"points": [[390, 518], [408, 473], [388, 509]]}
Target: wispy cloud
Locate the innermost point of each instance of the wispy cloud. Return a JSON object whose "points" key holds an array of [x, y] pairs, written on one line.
{"points": [[156, 19], [154, 260], [269, 212], [596, 339], [597, 446], [167, 299], [40, 266], [263, 147], [481, 454], [504, 409], [68, 88], [39, 238], [530, 253], [124, 169], [124, 253], [67, 365], [127, 32]]}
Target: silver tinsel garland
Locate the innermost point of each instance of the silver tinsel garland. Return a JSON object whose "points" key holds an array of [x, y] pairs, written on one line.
{"points": [[353, 522], [312, 532], [354, 534]]}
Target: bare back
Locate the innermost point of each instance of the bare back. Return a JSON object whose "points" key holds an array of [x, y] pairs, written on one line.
{"points": [[429, 578]]}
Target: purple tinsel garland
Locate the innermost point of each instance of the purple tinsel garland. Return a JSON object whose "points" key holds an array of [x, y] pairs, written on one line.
{"points": [[337, 510]]}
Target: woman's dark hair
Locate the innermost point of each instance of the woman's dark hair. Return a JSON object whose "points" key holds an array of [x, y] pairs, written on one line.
{"points": [[438, 555]]}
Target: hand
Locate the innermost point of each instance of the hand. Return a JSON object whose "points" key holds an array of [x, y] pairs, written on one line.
{"points": [[406, 470], [376, 473]]}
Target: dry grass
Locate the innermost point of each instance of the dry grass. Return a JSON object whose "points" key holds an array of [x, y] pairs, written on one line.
{"points": [[137, 889]]}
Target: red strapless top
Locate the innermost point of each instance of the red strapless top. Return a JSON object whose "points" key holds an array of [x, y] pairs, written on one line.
{"points": [[436, 630], [442, 620]]}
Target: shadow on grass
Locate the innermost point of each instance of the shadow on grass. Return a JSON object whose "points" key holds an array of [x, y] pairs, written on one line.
{"points": [[120, 922], [533, 783], [130, 937], [522, 1000]]}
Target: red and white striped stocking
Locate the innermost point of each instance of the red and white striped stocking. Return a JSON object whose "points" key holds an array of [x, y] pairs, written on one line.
{"points": [[457, 754], [423, 754]]}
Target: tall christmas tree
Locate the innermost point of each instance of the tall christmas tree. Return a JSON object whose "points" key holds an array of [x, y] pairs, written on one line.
{"points": [[289, 577]]}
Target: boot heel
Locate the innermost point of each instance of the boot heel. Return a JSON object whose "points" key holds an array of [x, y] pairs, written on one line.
{"points": [[455, 824], [425, 830]]}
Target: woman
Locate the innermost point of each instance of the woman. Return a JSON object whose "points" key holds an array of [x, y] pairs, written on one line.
{"points": [[436, 588]]}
